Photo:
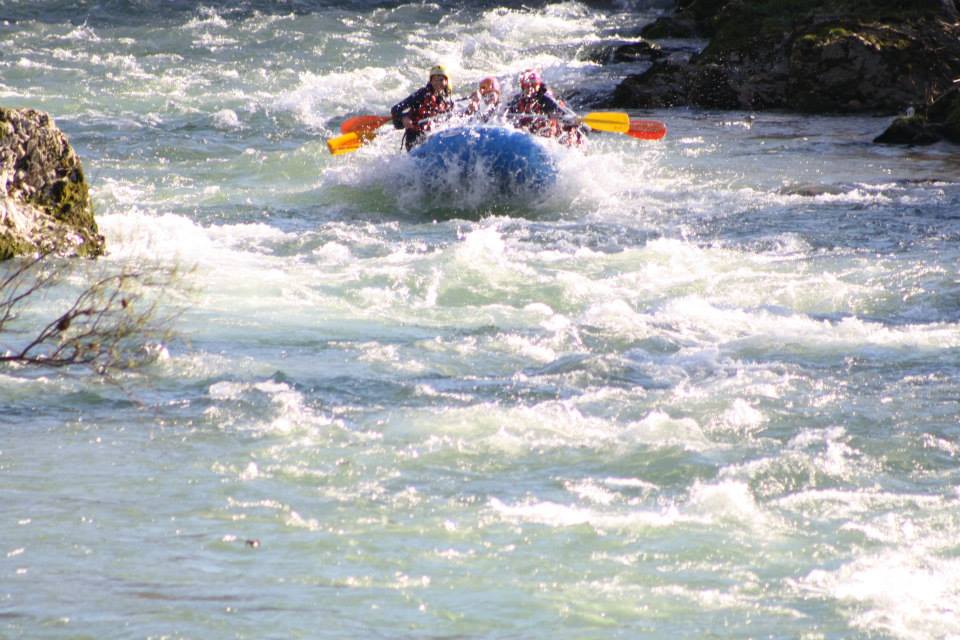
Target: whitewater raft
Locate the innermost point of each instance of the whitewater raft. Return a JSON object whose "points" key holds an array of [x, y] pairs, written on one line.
{"points": [[509, 161]]}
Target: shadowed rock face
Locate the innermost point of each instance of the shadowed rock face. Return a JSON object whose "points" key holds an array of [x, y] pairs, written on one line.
{"points": [[44, 199], [878, 56], [937, 121]]}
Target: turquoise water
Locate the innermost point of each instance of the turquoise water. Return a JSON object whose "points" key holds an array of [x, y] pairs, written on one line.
{"points": [[706, 387]]}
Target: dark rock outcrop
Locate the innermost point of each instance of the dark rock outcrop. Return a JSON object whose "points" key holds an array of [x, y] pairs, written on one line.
{"points": [[639, 50], [692, 19], [44, 199], [938, 121], [877, 56]]}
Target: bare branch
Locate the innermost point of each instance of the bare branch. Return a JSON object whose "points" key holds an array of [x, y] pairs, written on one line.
{"points": [[114, 323], [27, 277]]}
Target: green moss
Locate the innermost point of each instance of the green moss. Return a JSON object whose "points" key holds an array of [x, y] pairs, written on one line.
{"points": [[878, 36], [742, 26], [839, 33], [10, 247], [68, 202], [71, 203], [910, 121]]}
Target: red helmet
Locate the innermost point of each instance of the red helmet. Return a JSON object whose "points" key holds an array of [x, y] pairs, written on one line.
{"points": [[530, 79], [489, 84]]}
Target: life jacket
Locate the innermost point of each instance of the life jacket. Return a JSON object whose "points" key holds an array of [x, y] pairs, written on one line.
{"points": [[528, 104], [478, 109], [423, 103], [431, 106], [540, 106]]}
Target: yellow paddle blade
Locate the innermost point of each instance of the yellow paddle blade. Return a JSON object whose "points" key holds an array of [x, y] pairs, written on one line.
{"points": [[344, 144], [613, 121]]}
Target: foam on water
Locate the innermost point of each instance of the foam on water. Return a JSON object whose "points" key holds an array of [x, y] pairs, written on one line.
{"points": [[908, 593], [208, 18], [82, 33], [750, 331], [140, 235], [227, 119], [726, 504], [705, 386], [557, 515], [285, 409], [319, 98]]}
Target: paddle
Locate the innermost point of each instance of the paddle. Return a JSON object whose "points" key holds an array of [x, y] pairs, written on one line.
{"points": [[346, 143], [361, 129], [647, 129], [612, 121], [363, 124], [356, 131], [617, 122]]}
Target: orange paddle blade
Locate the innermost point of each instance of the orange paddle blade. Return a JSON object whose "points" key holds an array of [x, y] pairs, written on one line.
{"points": [[647, 129], [363, 124]]}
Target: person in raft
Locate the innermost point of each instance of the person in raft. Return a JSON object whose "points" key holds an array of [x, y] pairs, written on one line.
{"points": [[537, 110], [415, 113], [483, 104]]}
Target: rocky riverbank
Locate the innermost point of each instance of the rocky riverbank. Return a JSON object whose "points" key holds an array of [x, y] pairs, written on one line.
{"points": [[44, 198], [815, 56], [940, 120]]}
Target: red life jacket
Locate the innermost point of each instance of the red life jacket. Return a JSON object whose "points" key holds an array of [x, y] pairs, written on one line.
{"points": [[432, 105], [541, 123], [528, 104], [538, 124]]}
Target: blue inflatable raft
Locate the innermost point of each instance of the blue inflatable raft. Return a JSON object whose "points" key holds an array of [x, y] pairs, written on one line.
{"points": [[506, 161]]}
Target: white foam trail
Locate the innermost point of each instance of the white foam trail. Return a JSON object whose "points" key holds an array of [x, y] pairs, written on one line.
{"points": [[906, 593], [290, 413], [227, 119], [559, 515], [27, 63], [208, 18], [82, 33], [741, 417], [728, 501], [167, 237], [320, 97], [854, 505], [555, 24], [660, 429]]}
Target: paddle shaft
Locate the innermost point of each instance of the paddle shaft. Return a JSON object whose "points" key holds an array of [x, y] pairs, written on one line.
{"points": [[363, 129]]}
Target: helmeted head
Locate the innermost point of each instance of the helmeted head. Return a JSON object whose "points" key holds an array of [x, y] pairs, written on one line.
{"points": [[530, 81], [490, 89], [440, 79]]}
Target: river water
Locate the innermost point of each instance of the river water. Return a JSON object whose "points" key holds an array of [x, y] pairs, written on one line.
{"points": [[703, 387]]}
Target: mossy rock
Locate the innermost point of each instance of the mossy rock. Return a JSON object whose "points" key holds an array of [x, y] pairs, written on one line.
{"points": [[744, 27], [910, 130], [833, 32], [11, 246], [45, 197]]}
